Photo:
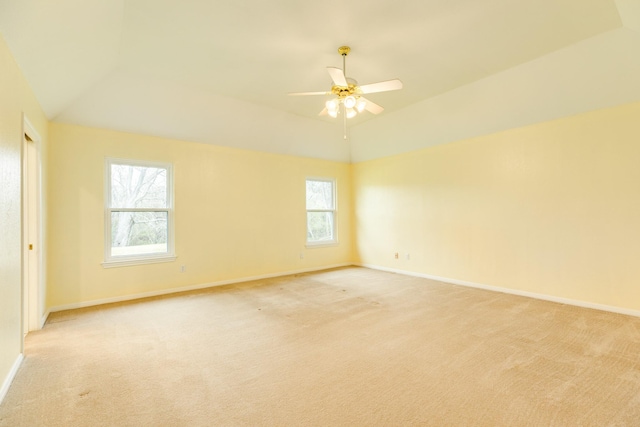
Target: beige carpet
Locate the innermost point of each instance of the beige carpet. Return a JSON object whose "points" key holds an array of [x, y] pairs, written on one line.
{"points": [[352, 347]]}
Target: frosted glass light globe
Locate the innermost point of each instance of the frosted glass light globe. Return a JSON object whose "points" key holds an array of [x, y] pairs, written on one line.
{"points": [[349, 102]]}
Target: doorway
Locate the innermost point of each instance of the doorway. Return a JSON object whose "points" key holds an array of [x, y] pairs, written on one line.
{"points": [[31, 230]]}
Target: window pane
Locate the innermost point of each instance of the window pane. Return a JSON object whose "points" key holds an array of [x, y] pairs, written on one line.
{"points": [[134, 233], [319, 194], [319, 226], [138, 187]]}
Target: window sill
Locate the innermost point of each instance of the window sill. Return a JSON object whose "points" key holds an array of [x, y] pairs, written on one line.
{"points": [[137, 261], [311, 245]]}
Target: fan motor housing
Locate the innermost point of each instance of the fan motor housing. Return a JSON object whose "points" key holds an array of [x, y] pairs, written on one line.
{"points": [[344, 91]]}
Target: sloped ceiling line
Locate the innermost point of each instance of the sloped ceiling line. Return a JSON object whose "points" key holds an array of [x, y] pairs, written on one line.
{"points": [[218, 72]]}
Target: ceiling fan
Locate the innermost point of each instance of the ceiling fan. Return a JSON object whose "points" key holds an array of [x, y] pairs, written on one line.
{"points": [[348, 93]]}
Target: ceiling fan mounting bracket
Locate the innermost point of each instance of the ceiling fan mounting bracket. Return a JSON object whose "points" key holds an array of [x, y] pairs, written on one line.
{"points": [[344, 50]]}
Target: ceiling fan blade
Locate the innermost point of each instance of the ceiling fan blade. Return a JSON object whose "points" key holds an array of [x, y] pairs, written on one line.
{"points": [[381, 86], [309, 93], [324, 112], [372, 107], [337, 76]]}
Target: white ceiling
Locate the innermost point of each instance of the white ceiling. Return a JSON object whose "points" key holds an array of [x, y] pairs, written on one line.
{"points": [[219, 71]]}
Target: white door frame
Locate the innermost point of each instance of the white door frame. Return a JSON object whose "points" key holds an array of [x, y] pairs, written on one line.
{"points": [[32, 292]]}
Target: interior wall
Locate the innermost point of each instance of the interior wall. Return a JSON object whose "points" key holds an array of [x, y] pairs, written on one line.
{"points": [[550, 209], [16, 100], [238, 214]]}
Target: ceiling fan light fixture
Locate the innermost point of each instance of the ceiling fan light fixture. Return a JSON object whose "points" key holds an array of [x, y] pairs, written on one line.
{"points": [[332, 113], [349, 101], [360, 105], [351, 113], [332, 105]]}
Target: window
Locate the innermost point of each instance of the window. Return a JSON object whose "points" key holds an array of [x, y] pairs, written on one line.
{"points": [[138, 212], [321, 211]]}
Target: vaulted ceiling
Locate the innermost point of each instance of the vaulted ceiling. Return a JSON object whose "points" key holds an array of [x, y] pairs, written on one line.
{"points": [[219, 71]]}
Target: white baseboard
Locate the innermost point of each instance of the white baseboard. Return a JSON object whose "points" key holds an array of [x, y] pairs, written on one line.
{"points": [[186, 288], [545, 297], [10, 376], [44, 318]]}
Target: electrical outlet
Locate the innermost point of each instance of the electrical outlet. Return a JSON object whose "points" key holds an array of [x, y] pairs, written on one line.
{"points": [[408, 256], [183, 268], [396, 255], [301, 255]]}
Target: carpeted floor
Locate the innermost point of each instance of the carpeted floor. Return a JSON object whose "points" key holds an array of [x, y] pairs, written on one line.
{"points": [[344, 347]]}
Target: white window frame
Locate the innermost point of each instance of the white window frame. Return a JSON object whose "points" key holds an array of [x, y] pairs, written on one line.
{"points": [[334, 211], [138, 259]]}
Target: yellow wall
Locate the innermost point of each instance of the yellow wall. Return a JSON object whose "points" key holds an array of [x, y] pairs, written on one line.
{"points": [[549, 209], [552, 209], [238, 214], [16, 99]]}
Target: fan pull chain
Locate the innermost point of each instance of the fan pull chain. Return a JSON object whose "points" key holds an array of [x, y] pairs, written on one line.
{"points": [[344, 116]]}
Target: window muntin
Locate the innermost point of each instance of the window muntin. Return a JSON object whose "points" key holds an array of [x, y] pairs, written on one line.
{"points": [[139, 211], [321, 211]]}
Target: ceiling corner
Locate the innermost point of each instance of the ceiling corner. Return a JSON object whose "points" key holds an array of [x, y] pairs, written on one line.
{"points": [[629, 11]]}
